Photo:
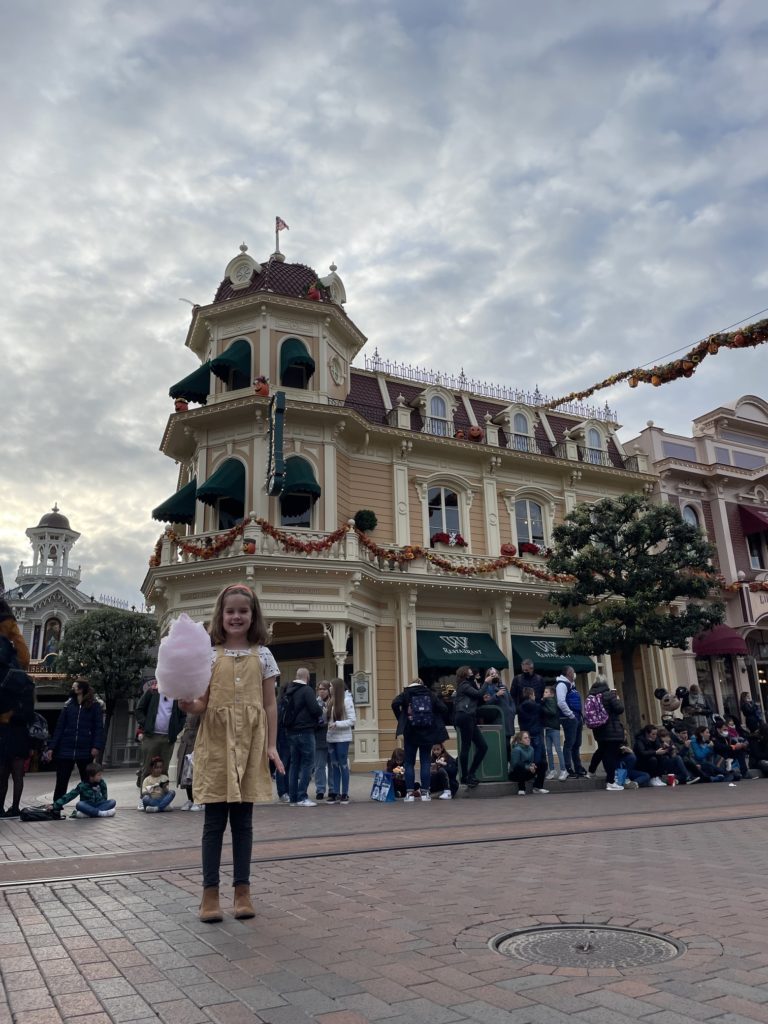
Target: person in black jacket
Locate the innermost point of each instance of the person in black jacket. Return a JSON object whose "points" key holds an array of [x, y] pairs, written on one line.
{"points": [[17, 707], [78, 738], [302, 713], [609, 736], [469, 695], [421, 718]]}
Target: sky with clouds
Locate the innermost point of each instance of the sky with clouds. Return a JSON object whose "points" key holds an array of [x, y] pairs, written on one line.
{"points": [[538, 193]]}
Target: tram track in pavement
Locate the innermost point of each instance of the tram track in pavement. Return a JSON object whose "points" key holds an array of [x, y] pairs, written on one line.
{"points": [[45, 871]]}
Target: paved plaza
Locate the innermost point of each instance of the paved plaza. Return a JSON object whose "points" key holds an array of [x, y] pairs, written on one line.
{"points": [[385, 912]]}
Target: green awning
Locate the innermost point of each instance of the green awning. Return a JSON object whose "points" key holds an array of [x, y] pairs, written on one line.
{"points": [[180, 507], [300, 479], [234, 364], [452, 650], [196, 387], [294, 356], [228, 481], [542, 651]]}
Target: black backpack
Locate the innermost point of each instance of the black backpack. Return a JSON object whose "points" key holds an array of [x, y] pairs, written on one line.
{"points": [[286, 712], [37, 730], [420, 711]]}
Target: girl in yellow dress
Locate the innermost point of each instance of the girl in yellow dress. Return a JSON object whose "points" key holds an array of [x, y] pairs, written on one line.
{"points": [[235, 742]]}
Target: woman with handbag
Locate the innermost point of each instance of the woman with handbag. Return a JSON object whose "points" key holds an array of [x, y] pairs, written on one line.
{"points": [[469, 696]]}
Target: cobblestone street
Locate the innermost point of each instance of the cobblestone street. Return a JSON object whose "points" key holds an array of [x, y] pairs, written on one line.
{"points": [[374, 912]]}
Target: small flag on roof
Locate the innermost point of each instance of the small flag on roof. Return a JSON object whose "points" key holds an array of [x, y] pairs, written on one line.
{"points": [[280, 224]]}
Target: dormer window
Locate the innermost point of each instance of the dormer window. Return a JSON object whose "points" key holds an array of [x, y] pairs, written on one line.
{"points": [[522, 439], [437, 422]]}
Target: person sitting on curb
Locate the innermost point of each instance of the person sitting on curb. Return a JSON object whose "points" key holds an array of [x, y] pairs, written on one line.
{"points": [[711, 768], [160, 721], [450, 766], [732, 748], [524, 768], [155, 792], [93, 801]]}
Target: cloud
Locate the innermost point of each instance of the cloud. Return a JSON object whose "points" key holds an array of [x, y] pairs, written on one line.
{"points": [[538, 195]]}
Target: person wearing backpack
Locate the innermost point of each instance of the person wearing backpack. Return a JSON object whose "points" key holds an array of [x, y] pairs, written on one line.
{"points": [[420, 715], [78, 738], [602, 714], [569, 704], [17, 710], [299, 713]]}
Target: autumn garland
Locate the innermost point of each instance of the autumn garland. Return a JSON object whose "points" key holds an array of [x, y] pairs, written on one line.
{"points": [[747, 337]]}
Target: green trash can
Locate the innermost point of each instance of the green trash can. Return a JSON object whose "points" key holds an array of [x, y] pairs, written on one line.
{"points": [[490, 721]]}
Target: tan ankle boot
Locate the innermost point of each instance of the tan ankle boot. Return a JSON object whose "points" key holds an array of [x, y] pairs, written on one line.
{"points": [[243, 905], [210, 911]]}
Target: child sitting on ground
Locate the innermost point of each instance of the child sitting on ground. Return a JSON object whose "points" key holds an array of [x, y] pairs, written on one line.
{"points": [[93, 802], [445, 772], [396, 765], [155, 792]]}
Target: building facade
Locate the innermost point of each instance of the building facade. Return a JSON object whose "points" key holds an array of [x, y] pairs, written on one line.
{"points": [[718, 477], [454, 471]]}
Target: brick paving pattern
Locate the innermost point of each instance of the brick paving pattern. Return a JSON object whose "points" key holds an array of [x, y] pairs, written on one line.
{"points": [[400, 935]]}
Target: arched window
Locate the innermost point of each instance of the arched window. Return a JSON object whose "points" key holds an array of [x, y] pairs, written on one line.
{"points": [[443, 511], [595, 453], [691, 516], [529, 519], [300, 492], [521, 439], [437, 421]]}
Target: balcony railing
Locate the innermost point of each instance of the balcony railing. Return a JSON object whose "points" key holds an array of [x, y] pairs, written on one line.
{"points": [[523, 443], [596, 456], [31, 571], [437, 426]]}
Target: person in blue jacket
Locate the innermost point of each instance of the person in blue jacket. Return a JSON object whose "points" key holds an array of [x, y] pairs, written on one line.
{"points": [[78, 738]]}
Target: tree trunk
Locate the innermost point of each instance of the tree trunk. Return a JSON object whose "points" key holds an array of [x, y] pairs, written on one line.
{"points": [[110, 704], [629, 695]]}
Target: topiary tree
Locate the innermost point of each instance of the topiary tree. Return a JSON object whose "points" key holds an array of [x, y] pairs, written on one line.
{"points": [[365, 519], [632, 563], [109, 648]]}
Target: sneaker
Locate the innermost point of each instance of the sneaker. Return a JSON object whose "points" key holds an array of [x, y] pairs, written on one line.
{"points": [[562, 776], [140, 805], [151, 810], [631, 784], [571, 774], [426, 797], [472, 782], [748, 778], [408, 798], [521, 792], [693, 778], [657, 782], [107, 814], [12, 812], [186, 805], [331, 798], [728, 763], [551, 775], [591, 775], [542, 791], [319, 796], [345, 800], [197, 807], [74, 814], [446, 795], [284, 799], [613, 787], [306, 803], [581, 773]]}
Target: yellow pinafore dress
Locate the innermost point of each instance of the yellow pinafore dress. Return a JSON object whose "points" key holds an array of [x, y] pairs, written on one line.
{"points": [[231, 764]]}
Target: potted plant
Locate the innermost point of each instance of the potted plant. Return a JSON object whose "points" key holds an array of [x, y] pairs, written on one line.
{"points": [[365, 520], [261, 386], [538, 550], [447, 540], [180, 404]]}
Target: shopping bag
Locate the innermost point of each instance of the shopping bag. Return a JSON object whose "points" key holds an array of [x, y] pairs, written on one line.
{"points": [[383, 788], [621, 776], [187, 769]]}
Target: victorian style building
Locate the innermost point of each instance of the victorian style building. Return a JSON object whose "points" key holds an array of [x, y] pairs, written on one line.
{"points": [[455, 472], [718, 478]]}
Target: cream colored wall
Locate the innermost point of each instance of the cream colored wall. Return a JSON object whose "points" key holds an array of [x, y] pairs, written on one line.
{"points": [[370, 486], [386, 688]]}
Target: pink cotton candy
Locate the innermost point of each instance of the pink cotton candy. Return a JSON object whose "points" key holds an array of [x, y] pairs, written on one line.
{"points": [[184, 660]]}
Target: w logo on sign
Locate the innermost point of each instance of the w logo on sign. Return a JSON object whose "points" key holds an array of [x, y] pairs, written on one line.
{"points": [[456, 643]]}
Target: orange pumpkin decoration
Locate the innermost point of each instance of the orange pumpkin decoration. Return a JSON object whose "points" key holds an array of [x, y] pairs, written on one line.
{"points": [[687, 364], [713, 348], [739, 340], [180, 404], [655, 380], [475, 433], [249, 547], [459, 435], [261, 387], [633, 382]]}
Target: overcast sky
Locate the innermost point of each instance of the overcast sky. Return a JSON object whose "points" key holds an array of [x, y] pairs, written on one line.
{"points": [[538, 192]]}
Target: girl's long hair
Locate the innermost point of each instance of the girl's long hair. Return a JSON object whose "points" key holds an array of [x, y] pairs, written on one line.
{"points": [[257, 631], [88, 696], [338, 712]]}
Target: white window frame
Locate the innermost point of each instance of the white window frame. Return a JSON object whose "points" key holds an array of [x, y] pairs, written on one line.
{"points": [[459, 486]]}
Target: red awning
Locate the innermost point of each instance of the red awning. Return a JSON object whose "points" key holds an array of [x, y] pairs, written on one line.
{"points": [[720, 640], [753, 520]]}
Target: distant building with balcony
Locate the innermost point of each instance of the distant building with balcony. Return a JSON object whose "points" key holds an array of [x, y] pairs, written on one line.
{"points": [[718, 478], [438, 458]]}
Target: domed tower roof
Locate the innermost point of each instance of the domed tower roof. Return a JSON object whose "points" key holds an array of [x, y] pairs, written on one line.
{"points": [[54, 520]]}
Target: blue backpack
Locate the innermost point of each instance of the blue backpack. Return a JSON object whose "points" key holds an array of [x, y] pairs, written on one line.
{"points": [[573, 700], [420, 711]]}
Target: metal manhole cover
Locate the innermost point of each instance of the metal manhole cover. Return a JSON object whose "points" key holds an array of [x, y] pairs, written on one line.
{"points": [[587, 946]]}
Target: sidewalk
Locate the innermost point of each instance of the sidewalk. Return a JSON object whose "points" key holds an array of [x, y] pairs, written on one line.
{"points": [[399, 935]]}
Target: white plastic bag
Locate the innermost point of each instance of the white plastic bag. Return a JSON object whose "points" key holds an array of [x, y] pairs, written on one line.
{"points": [[184, 660]]}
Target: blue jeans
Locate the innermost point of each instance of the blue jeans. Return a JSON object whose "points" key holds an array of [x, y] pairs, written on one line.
{"points": [[554, 746], [629, 761], [160, 802], [302, 747], [339, 765], [572, 744], [321, 769], [413, 745], [92, 810]]}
